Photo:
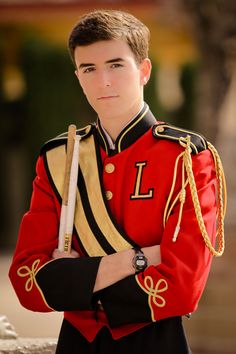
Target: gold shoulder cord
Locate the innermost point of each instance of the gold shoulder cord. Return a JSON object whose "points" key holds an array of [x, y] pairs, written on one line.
{"points": [[221, 189]]}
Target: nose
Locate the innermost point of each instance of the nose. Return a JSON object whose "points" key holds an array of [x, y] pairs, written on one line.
{"points": [[104, 79]]}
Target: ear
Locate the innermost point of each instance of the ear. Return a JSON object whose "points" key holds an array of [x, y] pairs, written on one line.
{"points": [[79, 78], [76, 74], [145, 71]]}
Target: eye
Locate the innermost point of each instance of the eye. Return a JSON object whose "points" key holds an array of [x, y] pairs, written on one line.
{"points": [[116, 65], [88, 70]]}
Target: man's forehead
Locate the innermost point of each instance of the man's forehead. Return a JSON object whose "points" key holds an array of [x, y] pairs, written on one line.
{"points": [[109, 61], [103, 52]]}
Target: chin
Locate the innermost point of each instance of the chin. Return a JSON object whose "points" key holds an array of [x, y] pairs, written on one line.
{"points": [[108, 110]]}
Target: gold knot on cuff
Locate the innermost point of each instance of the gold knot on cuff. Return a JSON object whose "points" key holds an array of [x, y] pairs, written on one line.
{"points": [[25, 271]]}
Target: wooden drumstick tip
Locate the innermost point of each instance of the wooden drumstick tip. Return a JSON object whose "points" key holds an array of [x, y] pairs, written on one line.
{"points": [[72, 127]]}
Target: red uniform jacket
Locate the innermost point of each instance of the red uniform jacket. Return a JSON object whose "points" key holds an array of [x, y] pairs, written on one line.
{"points": [[135, 182]]}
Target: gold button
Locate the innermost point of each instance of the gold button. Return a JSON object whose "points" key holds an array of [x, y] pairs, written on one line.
{"points": [[109, 195], [160, 129], [109, 168]]}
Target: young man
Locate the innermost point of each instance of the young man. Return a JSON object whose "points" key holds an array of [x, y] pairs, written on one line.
{"points": [[145, 217]]}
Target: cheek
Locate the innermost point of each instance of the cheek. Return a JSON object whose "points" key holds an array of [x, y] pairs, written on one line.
{"points": [[132, 83], [133, 77], [87, 88]]}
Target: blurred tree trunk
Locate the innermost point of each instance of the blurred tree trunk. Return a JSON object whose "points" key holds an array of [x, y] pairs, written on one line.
{"points": [[214, 27]]}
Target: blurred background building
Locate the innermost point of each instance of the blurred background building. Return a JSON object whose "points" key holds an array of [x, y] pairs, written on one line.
{"points": [[193, 50]]}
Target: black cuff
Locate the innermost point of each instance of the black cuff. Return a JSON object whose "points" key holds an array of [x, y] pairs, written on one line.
{"points": [[67, 283], [125, 302]]}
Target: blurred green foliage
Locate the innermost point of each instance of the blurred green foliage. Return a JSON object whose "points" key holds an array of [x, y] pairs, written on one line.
{"points": [[184, 116], [54, 98]]}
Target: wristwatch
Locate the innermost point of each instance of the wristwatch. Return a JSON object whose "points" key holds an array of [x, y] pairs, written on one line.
{"points": [[139, 262]]}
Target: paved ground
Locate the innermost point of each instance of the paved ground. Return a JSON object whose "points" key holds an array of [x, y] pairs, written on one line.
{"points": [[28, 346]]}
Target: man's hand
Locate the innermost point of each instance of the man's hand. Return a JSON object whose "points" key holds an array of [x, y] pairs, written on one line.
{"points": [[118, 266], [62, 254]]}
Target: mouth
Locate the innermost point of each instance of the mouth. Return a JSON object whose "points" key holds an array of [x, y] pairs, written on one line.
{"points": [[107, 97]]}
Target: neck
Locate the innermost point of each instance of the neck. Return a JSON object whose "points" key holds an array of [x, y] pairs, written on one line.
{"points": [[114, 125]]}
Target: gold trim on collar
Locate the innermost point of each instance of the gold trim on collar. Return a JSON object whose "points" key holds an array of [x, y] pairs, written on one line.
{"points": [[131, 127], [105, 144]]}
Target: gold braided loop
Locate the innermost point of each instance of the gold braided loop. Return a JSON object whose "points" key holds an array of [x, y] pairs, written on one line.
{"points": [[219, 173], [25, 271], [220, 179], [153, 292], [160, 287], [169, 208], [181, 197]]}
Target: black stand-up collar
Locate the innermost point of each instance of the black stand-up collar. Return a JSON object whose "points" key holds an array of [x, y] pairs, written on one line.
{"points": [[132, 131]]}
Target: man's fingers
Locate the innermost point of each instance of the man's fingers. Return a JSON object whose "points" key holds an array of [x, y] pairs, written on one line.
{"points": [[62, 254]]}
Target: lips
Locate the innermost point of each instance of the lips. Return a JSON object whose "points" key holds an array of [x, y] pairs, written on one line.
{"points": [[107, 97]]}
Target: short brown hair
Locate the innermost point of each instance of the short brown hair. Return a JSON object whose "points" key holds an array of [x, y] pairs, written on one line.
{"points": [[103, 25]]}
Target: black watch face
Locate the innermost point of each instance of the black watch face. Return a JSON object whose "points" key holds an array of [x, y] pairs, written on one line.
{"points": [[140, 262]]}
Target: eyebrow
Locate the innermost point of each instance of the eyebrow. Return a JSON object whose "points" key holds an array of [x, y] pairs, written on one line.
{"points": [[115, 60]]}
